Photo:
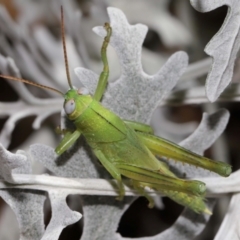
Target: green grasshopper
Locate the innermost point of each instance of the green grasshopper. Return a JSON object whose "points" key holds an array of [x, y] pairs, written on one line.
{"points": [[127, 148]]}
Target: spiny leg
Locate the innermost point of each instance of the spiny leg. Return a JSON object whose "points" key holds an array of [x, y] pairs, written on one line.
{"points": [[163, 147], [102, 82], [158, 180], [112, 170]]}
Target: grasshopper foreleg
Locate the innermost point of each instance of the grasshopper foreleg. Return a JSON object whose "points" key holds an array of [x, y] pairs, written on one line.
{"points": [[68, 140]]}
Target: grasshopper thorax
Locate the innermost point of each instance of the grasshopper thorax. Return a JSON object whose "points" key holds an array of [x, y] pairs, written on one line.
{"points": [[76, 101]]}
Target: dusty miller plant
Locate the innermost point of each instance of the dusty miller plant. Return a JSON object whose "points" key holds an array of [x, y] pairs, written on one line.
{"points": [[134, 96]]}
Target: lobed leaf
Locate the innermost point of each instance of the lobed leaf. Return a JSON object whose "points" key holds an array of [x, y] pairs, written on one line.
{"points": [[223, 47], [135, 95]]}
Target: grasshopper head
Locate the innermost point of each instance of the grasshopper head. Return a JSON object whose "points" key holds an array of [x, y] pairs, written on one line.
{"points": [[76, 101]]}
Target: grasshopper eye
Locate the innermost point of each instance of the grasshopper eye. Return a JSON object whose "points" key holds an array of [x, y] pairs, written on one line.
{"points": [[69, 106], [83, 91]]}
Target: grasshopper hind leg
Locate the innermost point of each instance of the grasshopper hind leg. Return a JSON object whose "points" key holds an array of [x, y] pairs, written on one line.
{"points": [[195, 203]]}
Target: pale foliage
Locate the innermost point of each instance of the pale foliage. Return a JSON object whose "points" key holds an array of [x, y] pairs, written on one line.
{"points": [[134, 95]]}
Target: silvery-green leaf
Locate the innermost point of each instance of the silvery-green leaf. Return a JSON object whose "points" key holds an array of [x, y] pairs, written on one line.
{"points": [[170, 29], [102, 215], [28, 208], [76, 162], [223, 47], [28, 105], [9, 162], [229, 228], [62, 215]]}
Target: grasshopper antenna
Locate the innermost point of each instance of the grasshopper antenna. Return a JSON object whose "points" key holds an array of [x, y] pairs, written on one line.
{"points": [[32, 83], [65, 50]]}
